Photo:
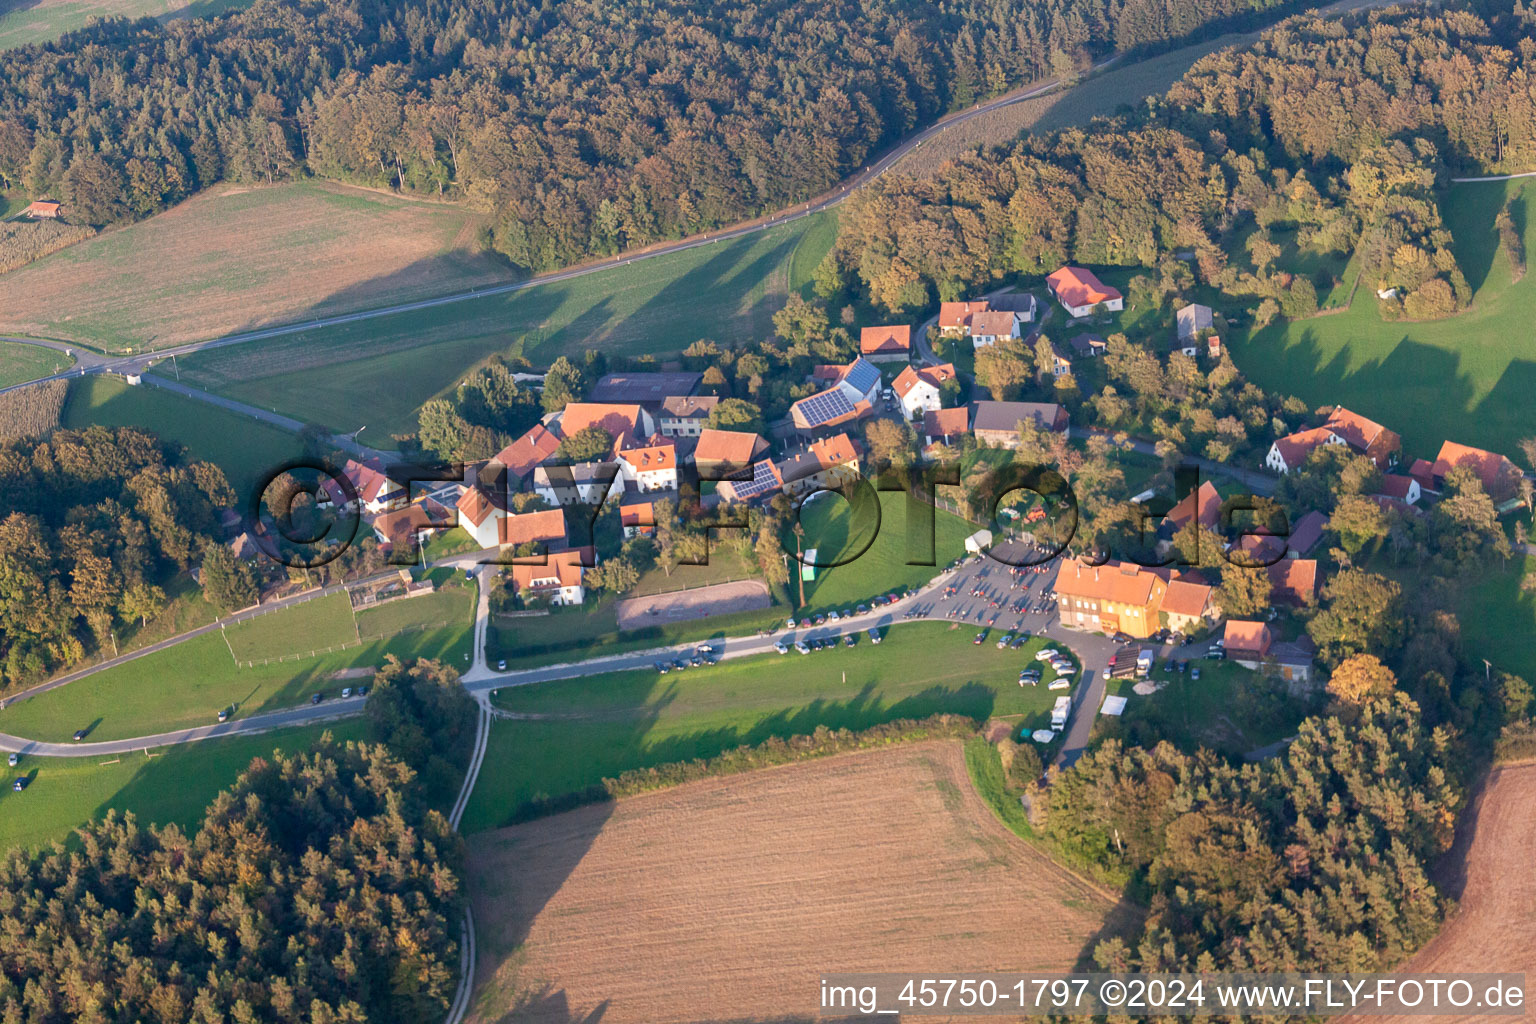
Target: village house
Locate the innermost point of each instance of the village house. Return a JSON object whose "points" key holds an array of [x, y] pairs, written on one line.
{"points": [[402, 528], [42, 209], [648, 389], [375, 492], [1079, 292], [1116, 597], [825, 465], [1499, 477], [1398, 493], [1369, 438], [637, 512], [920, 390], [480, 516], [760, 484], [1291, 451], [649, 467], [1196, 329], [955, 317], [558, 580], [1186, 606], [685, 415], [1306, 532], [624, 422], [721, 454], [946, 426], [990, 326], [1088, 346], [851, 397], [997, 423], [546, 528], [1253, 645], [1203, 505], [889, 343], [586, 483], [1293, 581], [1061, 363], [520, 457]]}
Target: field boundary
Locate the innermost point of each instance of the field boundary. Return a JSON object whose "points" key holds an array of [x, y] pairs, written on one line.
{"points": [[420, 627]]}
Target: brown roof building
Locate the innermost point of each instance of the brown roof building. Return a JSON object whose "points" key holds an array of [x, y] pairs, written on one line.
{"points": [[1247, 641], [955, 317], [1366, 436], [946, 425], [1499, 476], [521, 456], [547, 527], [1117, 597], [721, 453], [1294, 581], [892, 341], [998, 423]]}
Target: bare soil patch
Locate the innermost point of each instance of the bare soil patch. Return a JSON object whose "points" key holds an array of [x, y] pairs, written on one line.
{"points": [[236, 258], [699, 603], [1494, 926], [724, 899]]}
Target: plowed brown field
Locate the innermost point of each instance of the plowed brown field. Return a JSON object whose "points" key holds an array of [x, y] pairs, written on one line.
{"points": [[1494, 926], [725, 899]]}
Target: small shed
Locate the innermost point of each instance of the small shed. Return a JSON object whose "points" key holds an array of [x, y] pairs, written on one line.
{"points": [[978, 542], [42, 209], [808, 570], [134, 379]]}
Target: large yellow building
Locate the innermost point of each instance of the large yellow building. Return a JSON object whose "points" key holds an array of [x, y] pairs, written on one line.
{"points": [[1116, 597]]}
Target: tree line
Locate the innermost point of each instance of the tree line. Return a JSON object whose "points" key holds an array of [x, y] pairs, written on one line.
{"points": [[582, 127], [1338, 134]]}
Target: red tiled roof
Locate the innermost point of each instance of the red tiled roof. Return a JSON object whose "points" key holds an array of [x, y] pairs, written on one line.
{"points": [[946, 422], [547, 527], [621, 421], [993, 322], [887, 339], [1355, 430], [1185, 598], [475, 505], [908, 379], [1209, 514], [562, 568], [1394, 485], [401, 525], [1307, 531], [651, 457], [1297, 577], [1120, 582], [1076, 286], [1495, 471], [957, 315], [834, 451], [1296, 448], [732, 447], [1247, 636], [537, 445], [43, 208]]}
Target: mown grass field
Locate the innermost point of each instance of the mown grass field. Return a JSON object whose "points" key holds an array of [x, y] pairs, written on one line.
{"points": [[236, 257], [187, 684], [1498, 621], [46, 20], [1467, 378], [837, 532], [20, 363], [174, 786], [245, 450], [602, 725], [313, 625], [1229, 708], [387, 366]]}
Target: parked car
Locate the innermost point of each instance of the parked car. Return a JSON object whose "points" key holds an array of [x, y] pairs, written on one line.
{"points": [[781, 647], [223, 717], [663, 668], [819, 620], [79, 734], [314, 698], [802, 647], [1047, 653], [1194, 673], [346, 691], [1004, 640], [13, 760], [874, 636], [789, 623], [1059, 684], [849, 641], [832, 616], [863, 608], [980, 637], [21, 783], [1124, 638]]}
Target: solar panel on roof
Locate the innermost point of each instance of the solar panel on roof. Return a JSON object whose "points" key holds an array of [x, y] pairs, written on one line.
{"points": [[824, 407], [762, 481], [862, 376]]}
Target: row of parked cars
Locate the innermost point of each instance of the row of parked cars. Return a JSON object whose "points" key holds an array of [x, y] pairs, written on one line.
{"points": [[702, 655], [824, 643], [822, 618]]}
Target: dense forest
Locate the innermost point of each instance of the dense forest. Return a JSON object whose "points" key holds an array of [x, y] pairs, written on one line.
{"points": [[96, 521], [319, 888], [584, 127], [1337, 132]]}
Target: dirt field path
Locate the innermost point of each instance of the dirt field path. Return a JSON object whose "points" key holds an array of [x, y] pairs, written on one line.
{"points": [[1494, 928], [723, 900], [681, 605]]}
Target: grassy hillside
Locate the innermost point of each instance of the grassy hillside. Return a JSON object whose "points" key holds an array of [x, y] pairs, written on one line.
{"points": [[588, 729], [1467, 378], [169, 786], [238, 257], [384, 368], [244, 449]]}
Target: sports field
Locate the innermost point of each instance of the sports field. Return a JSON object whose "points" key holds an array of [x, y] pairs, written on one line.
{"points": [[173, 786], [20, 363], [1468, 378], [186, 685], [313, 625], [388, 366], [237, 257], [245, 450], [721, 899], [837, 532], [600, 726]]}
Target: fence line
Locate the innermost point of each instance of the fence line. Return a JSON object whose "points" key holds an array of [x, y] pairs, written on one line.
{"points": [[332, 649]]}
